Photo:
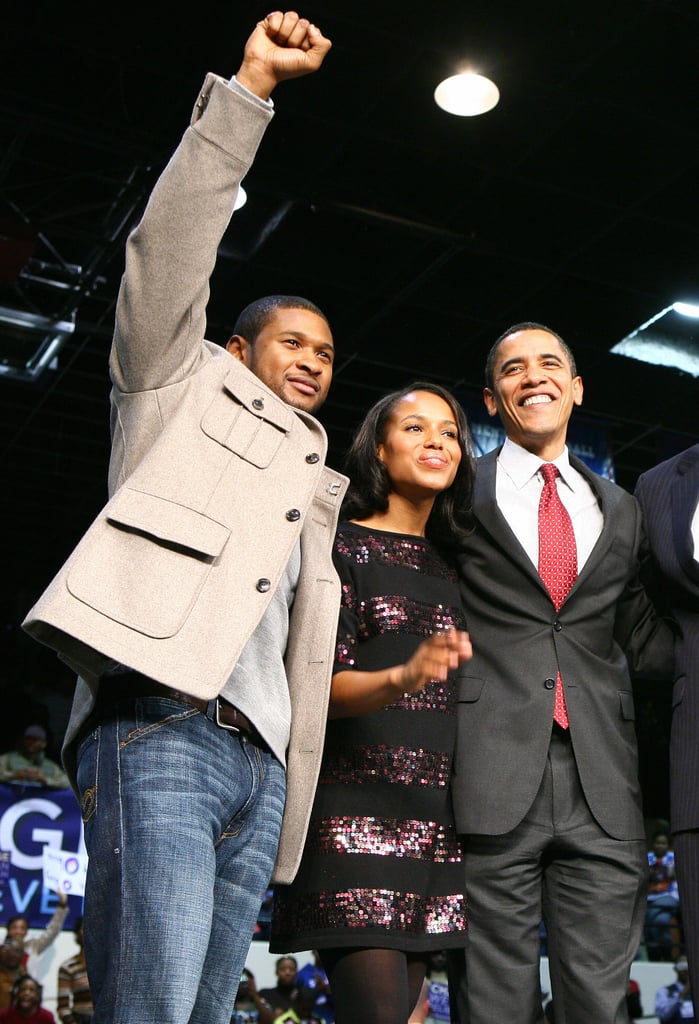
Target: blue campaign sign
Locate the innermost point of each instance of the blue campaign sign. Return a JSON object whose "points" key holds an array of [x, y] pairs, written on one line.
{"points": [[31, 818]]}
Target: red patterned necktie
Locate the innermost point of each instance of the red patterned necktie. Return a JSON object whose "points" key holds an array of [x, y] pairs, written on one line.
{"points": [[558, 560]]}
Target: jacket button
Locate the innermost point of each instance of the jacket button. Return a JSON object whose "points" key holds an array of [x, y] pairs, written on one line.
{"points": [[549, 683], [558, 626], [263, 585], [313, 458], [258, 403], [293, 515]]}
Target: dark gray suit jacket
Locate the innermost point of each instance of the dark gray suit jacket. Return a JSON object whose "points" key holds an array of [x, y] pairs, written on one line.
{"points": [[506, 691], [668, 495]]}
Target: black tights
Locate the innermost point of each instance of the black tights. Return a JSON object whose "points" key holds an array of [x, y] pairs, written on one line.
{"points": [[374, 986]]}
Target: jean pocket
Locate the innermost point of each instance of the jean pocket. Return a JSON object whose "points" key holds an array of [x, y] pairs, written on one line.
{"points": [[87, 757]]}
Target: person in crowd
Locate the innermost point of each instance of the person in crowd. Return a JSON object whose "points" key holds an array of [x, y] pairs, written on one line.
{"points": [[633, 1000], [18, 929], [29, 764], [673, 1003], [11, 969], [381, 880], [200, 606], [545, 784], [26, 1007], [301, 1010], [280, 998], [264, 917], [313, 977], [669, 497], [662, 928], [433, 1004], [74, 1004], [248, 1003]]}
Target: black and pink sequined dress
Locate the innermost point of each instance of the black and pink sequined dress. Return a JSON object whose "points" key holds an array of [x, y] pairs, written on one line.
{"points": [[382, 862]]}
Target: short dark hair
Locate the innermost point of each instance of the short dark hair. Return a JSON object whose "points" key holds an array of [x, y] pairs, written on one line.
{"points": [[370, 485], [257, 314], [528, 325], [23, 978], [287, 956]]}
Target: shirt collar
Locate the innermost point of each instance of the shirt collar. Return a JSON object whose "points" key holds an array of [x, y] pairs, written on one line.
{"points": [[521, 465]]}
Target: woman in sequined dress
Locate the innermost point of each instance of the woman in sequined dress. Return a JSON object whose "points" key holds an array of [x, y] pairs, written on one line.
{"points": [[381, 881]]}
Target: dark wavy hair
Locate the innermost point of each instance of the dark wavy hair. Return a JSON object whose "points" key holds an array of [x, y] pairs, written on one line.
{"points": [[370, 484]]}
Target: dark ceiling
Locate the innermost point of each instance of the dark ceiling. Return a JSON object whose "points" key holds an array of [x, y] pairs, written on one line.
{"points": [[422, 235]]}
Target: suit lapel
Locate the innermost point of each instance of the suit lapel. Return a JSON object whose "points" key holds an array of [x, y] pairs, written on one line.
{"points": [[684, 494], [489, 515], [609, 499], [485, 509]]}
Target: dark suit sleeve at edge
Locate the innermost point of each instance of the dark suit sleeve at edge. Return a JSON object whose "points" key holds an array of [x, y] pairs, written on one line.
{"points": [[647, 637]]}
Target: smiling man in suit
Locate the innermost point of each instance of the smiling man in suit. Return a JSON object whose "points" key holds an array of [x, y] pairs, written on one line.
{"points": [[545, 789], [200, 608], [669, 498]]}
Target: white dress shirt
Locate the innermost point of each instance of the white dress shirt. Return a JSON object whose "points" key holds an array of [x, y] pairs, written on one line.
{"points": [[518, 486], [695, 533]]}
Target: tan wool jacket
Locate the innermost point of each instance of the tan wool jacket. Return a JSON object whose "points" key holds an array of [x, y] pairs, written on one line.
{"points": [[213, 479]]}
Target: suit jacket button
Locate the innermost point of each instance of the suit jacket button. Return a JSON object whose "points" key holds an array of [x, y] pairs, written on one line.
{"points": [[293, 515], [263, 585], [258, 403], [313, 458], [558, 626], [549, 683]]}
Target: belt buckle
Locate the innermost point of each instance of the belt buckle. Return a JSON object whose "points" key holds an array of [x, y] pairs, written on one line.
{"points": [[224, 725]]}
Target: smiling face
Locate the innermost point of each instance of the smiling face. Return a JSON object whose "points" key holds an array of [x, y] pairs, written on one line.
{"points": [[421, 450], [293, 355], [534, 391], [17, 929], [28, 995]]}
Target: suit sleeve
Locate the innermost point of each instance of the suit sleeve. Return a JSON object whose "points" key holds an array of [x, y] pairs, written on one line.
{"points": [[647, 637]]}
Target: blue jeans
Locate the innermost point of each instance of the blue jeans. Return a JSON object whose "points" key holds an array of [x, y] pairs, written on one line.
{"points": [[182, 821]]}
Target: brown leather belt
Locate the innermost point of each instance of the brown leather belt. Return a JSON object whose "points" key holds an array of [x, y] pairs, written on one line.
{"points": [[133, 684]]}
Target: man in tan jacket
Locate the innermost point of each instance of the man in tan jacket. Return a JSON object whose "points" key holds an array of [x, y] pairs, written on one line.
{"points": [[200, 608]]}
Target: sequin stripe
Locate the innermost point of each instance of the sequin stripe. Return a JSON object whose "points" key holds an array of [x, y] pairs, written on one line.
{"points": [[428, 769], [385, 837], [345, 650], [436, 696], [364, 908], [395, 613], [349, 597], [397, 552]]}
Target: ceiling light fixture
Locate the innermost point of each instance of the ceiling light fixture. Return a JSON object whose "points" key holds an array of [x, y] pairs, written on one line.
{"points": [[467, 94], [670, 338]]}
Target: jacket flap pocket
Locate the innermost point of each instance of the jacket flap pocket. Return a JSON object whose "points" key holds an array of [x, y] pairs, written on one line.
{"points": [[167, 521], [469, 688], [252, 433], [144, 562], [248, 392]]}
